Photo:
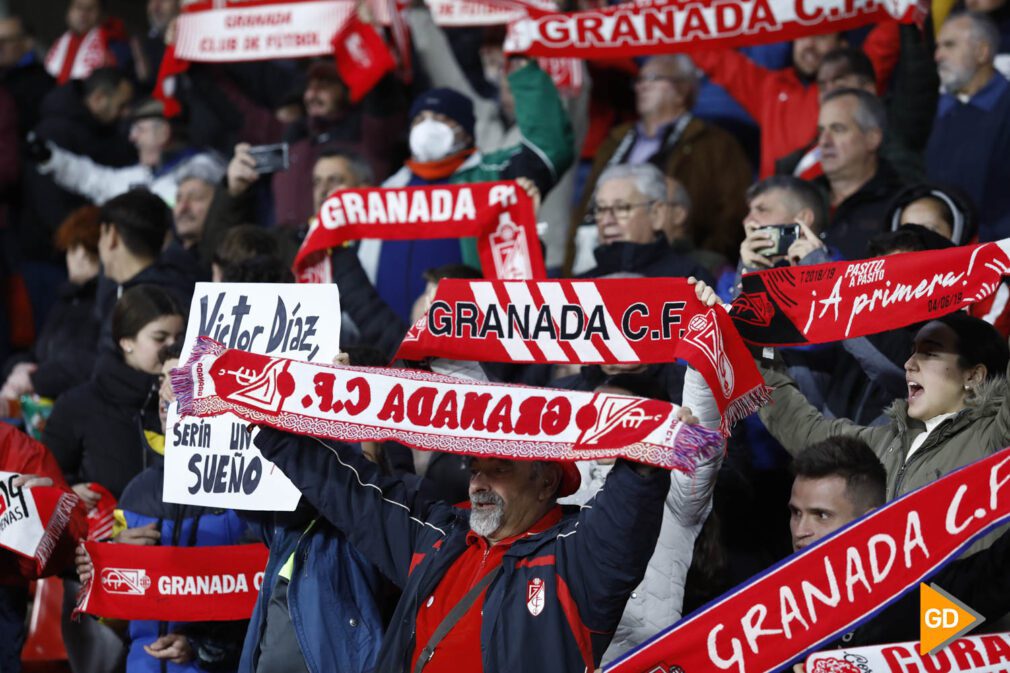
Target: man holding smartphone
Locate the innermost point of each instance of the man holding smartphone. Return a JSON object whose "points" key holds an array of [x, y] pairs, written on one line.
{"points": [[785, 217]]}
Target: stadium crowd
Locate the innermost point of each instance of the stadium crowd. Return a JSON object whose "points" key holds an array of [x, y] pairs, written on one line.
{"points": [[889, 139]]}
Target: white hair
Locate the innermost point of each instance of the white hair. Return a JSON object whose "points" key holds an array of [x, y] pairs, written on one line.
{"points": [[649, 180]]}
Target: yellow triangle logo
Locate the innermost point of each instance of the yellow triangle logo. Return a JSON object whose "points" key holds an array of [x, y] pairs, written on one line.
{"points": [[942, 618]]}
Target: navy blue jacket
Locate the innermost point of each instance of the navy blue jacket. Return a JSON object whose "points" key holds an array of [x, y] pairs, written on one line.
{"points": [[589, 562], [968, 148], [331, 595]]}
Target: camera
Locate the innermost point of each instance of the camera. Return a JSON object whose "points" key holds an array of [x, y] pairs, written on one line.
{"points": [[782, 236], [270, 158]]}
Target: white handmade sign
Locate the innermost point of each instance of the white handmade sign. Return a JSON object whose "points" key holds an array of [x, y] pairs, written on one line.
{"points": [[212, 461]]}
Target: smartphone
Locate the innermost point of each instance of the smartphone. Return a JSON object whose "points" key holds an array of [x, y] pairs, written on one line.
{"points": [[270, 158], [782, 236]]}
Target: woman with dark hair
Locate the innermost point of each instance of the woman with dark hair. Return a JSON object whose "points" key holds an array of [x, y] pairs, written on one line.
{"points": [[956, 412], [944, 210], [96, 429], [97, 433]]}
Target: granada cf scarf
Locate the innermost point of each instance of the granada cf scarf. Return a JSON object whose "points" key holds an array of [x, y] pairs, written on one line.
{"points": [[618, 321], [498, 214], [827, 589], [169, 584], [646, 28], [32, 519], [988, 653], [795, 305], [434, 412]]}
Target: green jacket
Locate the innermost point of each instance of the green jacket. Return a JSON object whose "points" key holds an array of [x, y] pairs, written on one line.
{"points": [[545, 153], [979, 430]]}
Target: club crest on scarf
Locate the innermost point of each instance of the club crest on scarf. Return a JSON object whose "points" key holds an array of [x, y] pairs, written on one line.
{"points": [[753, 308], [132, 581], [265, 390], [834, 665], [535, 599], [612, 416], [703, 334], [508, 247]]}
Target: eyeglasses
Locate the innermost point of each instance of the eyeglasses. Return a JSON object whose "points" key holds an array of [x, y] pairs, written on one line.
{"points": [[620, 211]]}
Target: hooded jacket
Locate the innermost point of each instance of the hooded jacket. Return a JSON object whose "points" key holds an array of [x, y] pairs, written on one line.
{"points": [[588, 564], [979, 430]]}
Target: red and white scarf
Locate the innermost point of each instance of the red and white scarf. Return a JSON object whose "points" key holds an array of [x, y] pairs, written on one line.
{"points": [[186, 584], [649, 27], [434, 412], [76, 57], [102, 517], [840, 582], [612, 321], [827, 302], [498, 214], [32, 519], [167, 84], [988, 653]]}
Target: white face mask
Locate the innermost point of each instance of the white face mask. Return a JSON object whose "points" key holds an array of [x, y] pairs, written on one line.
{"points": [[431, 140]]}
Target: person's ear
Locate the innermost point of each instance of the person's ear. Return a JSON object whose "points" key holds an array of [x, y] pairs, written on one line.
{"points": [[114, 239], [975, 376], [876, 138], [806, 217], [550, 483], [126, 344]]}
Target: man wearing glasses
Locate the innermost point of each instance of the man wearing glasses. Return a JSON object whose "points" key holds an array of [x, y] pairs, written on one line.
{"points": [[630, 210], [705, 159]]}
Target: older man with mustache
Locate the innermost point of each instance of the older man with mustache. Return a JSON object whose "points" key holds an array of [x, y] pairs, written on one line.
{"points": [[511, 584]]}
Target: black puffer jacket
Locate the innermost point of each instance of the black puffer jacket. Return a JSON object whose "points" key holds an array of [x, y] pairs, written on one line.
{"points": [[66, 347], [96, 430]]}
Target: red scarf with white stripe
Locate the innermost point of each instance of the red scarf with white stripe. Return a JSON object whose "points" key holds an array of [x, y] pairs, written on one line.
{"points": [[169, 584], [498, 214], [434, 412], [610, 321], [75, 56]]}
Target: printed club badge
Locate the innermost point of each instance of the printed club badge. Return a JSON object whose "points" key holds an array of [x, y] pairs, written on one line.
{"points": [[535, 596], [834, 665]]}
